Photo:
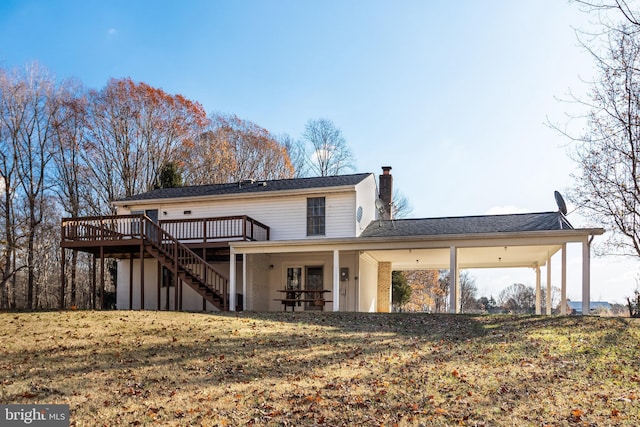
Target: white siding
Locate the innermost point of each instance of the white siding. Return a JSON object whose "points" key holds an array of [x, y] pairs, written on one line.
{"points": [[368, 284], [150, 288], [191, 300], [285, 215], [366, 195], [348, 288]]}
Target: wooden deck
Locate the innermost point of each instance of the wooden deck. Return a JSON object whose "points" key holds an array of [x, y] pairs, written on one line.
{"points": [[117, 234], [181, 246]]}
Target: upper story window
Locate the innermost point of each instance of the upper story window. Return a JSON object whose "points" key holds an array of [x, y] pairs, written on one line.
{"points": [[315, 216]]}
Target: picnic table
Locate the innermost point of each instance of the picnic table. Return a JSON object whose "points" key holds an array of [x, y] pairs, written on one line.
{"points": [[293, 297]]}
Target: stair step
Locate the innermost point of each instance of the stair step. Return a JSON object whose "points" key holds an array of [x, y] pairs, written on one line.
{"points": [[189, 277]]}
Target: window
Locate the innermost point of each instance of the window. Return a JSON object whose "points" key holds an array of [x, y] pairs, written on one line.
{"points": [[294, 278], [315, 216]]}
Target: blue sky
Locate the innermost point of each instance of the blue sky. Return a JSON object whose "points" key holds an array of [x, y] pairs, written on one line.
{"points": [[453, 95]]}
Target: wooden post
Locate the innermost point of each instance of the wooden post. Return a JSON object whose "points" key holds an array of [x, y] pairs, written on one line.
{"points": [[131, 280], [204, 257], [101, 277], [159, 283], [93, 283], [168, 292], [63, 278], [176, 279], [141, 276]]}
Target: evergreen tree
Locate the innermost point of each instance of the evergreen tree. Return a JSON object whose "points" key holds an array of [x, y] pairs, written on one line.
{"points": [[401, 291]]}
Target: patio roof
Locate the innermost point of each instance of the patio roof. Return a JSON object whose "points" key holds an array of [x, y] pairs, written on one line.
{"points": [[488, 241], [544, 221]]}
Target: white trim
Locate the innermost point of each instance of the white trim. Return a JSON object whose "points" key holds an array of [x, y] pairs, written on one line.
{"points": [[244, 282], [251, 195], [232, 279], [538, 291], [548, 303], [563, 303], [453, 280], [586, 277], [528, 238]]}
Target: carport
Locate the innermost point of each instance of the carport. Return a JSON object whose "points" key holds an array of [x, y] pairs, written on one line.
{"points": [[488, 241], [455, 243]]}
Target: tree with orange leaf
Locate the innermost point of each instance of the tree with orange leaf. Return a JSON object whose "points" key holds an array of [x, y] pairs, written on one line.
{"points": [[232, 149], [133, 130], [424, 290]]}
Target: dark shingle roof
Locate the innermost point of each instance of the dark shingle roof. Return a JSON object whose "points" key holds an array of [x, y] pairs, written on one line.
{"points": [[250, 187], [544, 221]]}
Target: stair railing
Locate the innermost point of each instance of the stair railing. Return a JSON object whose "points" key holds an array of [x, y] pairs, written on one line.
{"points": [[185, 258]]}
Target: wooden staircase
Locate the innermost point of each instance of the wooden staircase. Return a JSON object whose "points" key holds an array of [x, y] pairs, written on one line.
{"points": [[185, 264]]}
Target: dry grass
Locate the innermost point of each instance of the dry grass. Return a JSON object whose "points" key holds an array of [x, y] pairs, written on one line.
{"points": [[163, 368]]}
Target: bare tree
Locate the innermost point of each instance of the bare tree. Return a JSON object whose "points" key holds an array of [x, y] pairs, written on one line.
{"points": [[441, 292], [400, 205], [30, 105], [9, 125], [297, 154], [70, 170], [468, 292], [621, 8], [608, 152], [518, 298], [330, 154]]}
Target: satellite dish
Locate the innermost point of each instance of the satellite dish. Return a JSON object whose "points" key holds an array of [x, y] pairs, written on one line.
{"points": [[359, 214], [380, 206], [562, 206]]}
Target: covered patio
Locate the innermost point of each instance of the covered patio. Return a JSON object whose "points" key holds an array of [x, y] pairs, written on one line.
{"points": [[455, 243]]}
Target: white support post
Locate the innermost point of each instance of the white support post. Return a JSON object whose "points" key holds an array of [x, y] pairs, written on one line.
{"points": [[244, 282], [548, 299], [453, 280], [336, 280], [232, 279], [563, 303], [586, 277], [458, 291], [538, 291]]}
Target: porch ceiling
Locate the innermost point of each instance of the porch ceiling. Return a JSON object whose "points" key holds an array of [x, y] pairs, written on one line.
{"points": [[477, 257]]}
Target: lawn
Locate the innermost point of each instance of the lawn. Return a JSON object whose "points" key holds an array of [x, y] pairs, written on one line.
{"points": [[290, 369]]}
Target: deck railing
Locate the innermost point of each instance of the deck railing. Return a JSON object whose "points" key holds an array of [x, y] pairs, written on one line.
{"points": [[196, 230], [101, 228], [216, 229], [185, 259]]}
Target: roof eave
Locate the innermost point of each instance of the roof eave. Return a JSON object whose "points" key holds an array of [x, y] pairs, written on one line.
{"points": [[360, 243], [252, 195]]}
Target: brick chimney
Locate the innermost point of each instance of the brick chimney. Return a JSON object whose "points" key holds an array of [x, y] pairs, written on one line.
{"points": [[386, 190]]}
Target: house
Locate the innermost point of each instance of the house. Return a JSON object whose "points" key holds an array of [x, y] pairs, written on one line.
{"points": [[575, 307], [247, 245]]}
